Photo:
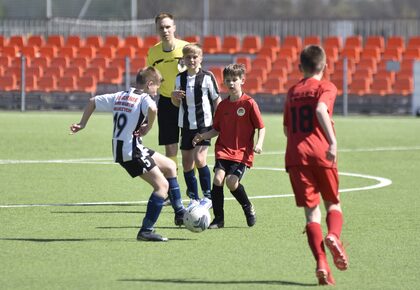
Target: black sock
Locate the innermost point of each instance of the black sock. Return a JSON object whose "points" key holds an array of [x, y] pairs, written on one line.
{"points": [[217, 198], [240, 195]]}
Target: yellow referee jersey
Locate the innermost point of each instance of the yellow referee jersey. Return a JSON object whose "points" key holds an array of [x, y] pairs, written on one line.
{"points": [[168, 63]]}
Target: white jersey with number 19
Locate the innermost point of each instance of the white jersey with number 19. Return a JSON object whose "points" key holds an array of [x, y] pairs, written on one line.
{"points": [[130, 111]]}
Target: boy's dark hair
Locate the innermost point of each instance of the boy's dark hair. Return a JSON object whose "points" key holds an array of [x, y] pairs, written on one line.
{"points": [[234, 70], [148, 74], [313, 59], [162, 15]]}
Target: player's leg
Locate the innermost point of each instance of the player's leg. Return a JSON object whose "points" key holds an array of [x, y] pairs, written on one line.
{"points": [[168, 168], [233, 178], [328, 184], [200, 160], [189, 176], [160, 188], [307, 196], [218, 197]]}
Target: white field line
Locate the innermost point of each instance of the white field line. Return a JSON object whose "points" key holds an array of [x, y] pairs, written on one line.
{"points": [[381, 182], [108, 160]]}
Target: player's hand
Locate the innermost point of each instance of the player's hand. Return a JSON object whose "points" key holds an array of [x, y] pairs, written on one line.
{"points": [[332, 153], [142, 131], [257, 149], [197, 139], [178, 95], [74, 128]]}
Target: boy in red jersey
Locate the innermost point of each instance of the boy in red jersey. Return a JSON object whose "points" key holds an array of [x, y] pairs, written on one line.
{"points": [[235, 121], [311, 159]]}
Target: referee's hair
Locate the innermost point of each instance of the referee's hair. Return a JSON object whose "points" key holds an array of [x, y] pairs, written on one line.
{"points": [[148, 74], [162, 15]]}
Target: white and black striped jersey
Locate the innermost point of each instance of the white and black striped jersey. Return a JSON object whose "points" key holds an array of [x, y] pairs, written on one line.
{"points": [[130, 111], [196, 110]]}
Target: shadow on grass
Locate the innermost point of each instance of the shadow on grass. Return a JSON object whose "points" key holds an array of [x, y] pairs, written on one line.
{"points": [[51, 240], [186, 281]]}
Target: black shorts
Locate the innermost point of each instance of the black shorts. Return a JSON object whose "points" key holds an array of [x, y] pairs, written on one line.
{"points": [[142, 162], [231, 167], [187, 135], [167, 121]]}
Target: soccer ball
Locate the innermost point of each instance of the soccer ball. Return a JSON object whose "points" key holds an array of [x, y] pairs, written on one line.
{"points": [[197, 218]]}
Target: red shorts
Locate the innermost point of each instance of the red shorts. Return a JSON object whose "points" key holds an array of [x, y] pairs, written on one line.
{"points": [[308, 182]]}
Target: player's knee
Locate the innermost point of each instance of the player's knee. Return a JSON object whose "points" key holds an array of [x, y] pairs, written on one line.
{"points": [[232, 182]]}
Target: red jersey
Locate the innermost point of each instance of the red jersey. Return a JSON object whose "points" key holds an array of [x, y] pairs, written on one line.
{"points": [[236, 123], [306, 141]]}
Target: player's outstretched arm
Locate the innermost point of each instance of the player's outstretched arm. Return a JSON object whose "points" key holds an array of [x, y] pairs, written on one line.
{"points": [[260, 141], [326, 124], [207, 135], [89, 109]]}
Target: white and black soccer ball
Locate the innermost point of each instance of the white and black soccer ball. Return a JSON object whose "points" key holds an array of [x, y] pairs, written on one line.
{"points": [[197, 218]]}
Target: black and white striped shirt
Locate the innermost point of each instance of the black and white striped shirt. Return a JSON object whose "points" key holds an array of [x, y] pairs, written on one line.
{"points": [[196, 110]]}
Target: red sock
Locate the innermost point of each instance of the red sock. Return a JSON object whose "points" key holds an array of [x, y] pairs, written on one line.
{"points": [[335, 222], [315, 240]]}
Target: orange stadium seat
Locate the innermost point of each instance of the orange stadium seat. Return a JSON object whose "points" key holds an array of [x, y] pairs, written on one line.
{"points": [[133, 41], [55, 71], [257, 72], [371, 52], [362, 73], [16, 40], [94, 40], [293, 41], [150, 40], [13, 71], [35, 71], [113, 75], [10, 50], [270, 52], [353, 41], [73, 71], [8, 83], [245, 60], [412, 53], [47, 83], [381, 87], [283, 63], [48, 51], [86, 84], [230, 44], [81, 62], [351, 52], [61, 61], [74, 40], [106, 51], [142, 52], [117, 62], [273, 86], [413, 42], [192, 38], [40, 61], [333, 41], [211, 44], [360, 87], [29, 51], [288, 52], [67, 51], [2, 40], [218, 73], [403, 86], [5, 60], [99, 61], [125, 51], [96, 72], [31, 83], [112, 40], [332, 53], [261, 62], [36, 40], [370, 63], [280, 73], [251, 44], [136, 64], [384, 74], [375, 41], [392, 53], [252, 85], [55, 40], [312, 39], [66, 84], [86, 51], [271, 41], [395, 42]]}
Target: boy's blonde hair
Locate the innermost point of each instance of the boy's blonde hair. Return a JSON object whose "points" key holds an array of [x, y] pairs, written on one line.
{"points": [[234, 70], [313, 59], [163, 15], [192, 48], [148, 74]]}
